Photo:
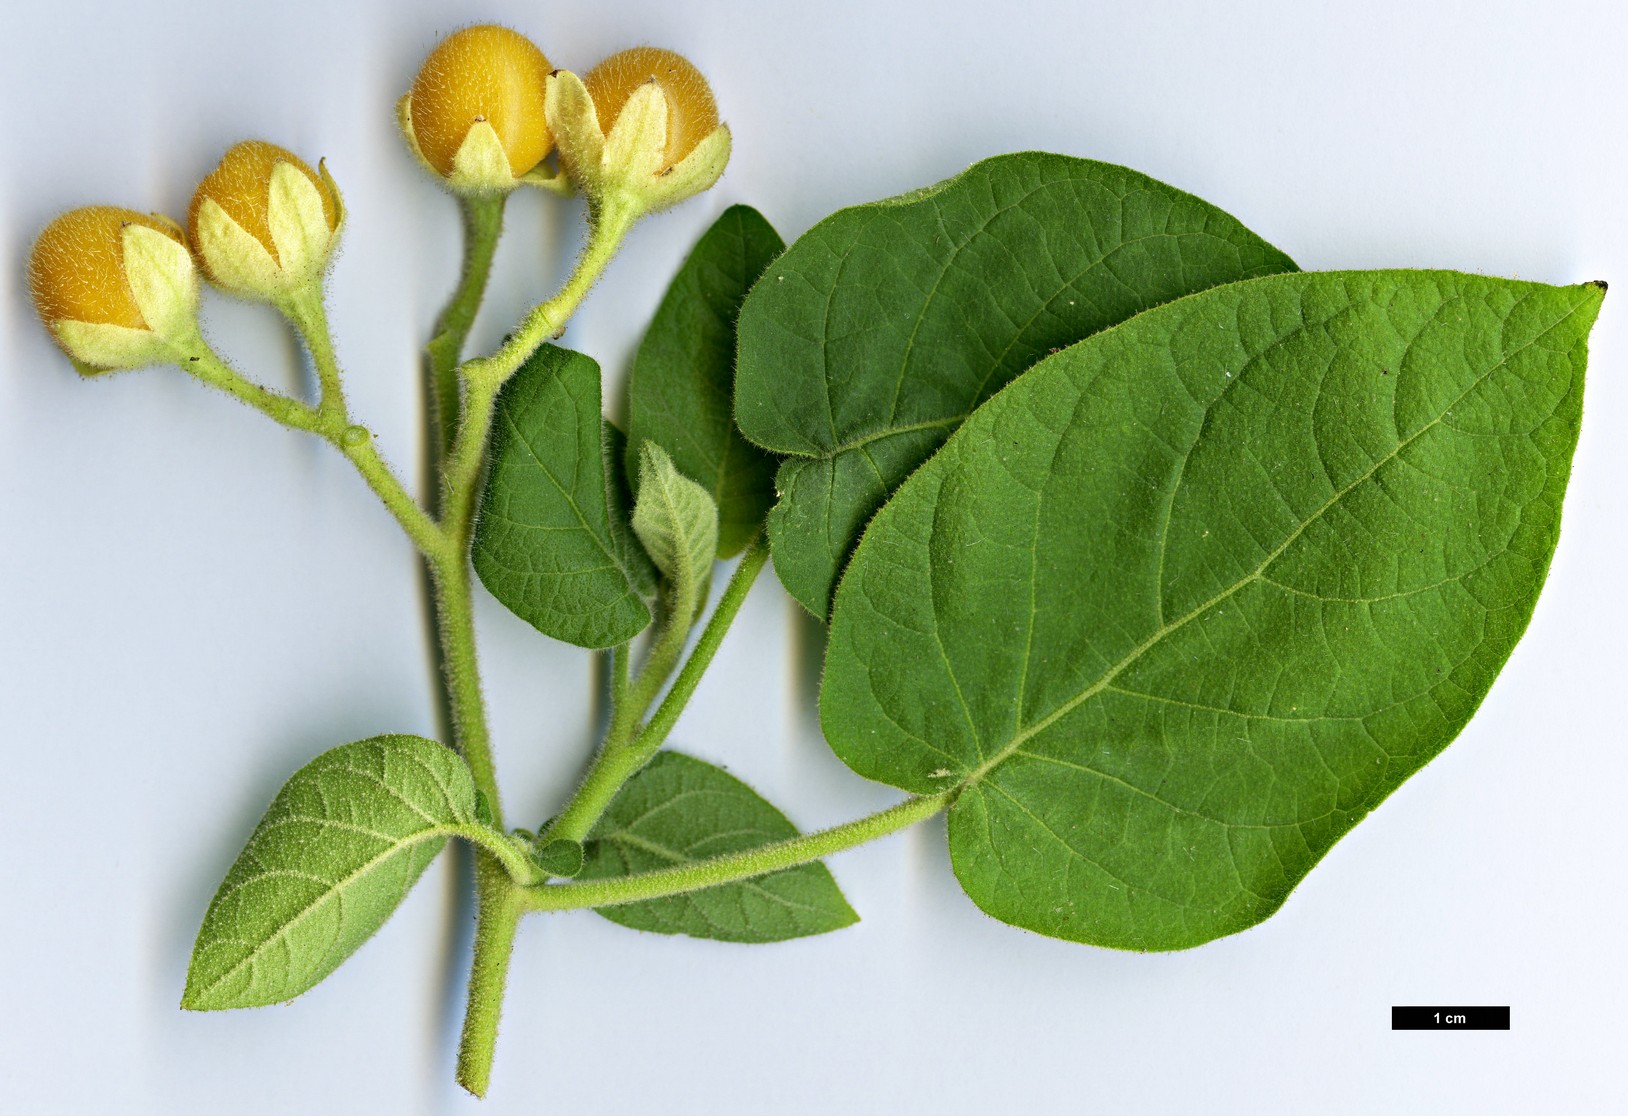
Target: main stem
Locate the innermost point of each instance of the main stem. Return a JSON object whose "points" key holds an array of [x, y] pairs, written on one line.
{"points": [[499, 899], [483, 226]]}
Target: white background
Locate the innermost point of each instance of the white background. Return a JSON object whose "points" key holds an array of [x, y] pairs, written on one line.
{"points": [[194, 602]]}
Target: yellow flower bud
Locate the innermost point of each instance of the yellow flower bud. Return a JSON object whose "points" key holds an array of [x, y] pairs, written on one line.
{"points": [[475, 114], [113, 286], [692, 114], [263, 223], [640, 132]]}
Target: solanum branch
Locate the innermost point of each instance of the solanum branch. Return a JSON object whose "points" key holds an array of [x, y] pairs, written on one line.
{"points": [[460, 490], [654, 734], [498, 897], [736, 866], [501, 848]]}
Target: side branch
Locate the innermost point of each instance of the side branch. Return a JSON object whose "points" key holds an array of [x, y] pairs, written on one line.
{"points": [[355, 442], [737, 866]]}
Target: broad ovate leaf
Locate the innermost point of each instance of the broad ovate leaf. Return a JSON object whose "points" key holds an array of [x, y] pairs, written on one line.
{"points": [[679, 809], [547, 544], [331, 860], [1186, 601], [873, 337], [681, 389]]}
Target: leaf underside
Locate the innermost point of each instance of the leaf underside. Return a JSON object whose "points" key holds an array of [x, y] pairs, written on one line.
{"points": [[549, 543], [874, 336], [1187, 600], [679, 809], [333, 857], [681, 389]]}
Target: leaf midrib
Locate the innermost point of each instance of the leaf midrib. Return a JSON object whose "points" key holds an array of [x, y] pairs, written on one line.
{"points": [[433, 828], [336, 889], [1106, 679], [570, 498]]}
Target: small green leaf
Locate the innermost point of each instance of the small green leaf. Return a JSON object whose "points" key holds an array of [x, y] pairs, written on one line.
{"points": [[870, 340], [677, 522], [547, 544], [328, 864], [619, 500], [560, 857], [681, 390], [678, 810], [1187, 600]]}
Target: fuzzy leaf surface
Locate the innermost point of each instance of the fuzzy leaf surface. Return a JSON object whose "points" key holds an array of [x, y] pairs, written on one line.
{"points": [[682, 387], [679, 809], [873, 337], [333, 857], [677, 522], [546, 543], [1187, 600]]}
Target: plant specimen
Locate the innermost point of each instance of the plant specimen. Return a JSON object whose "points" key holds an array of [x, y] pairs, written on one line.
{"points": [[1152, 560]]}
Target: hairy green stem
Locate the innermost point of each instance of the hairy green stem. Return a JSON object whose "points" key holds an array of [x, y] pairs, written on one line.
{"points": [[608, 225], [499, 898], [355, 442], [305, 310], [499, 904], [736, 866], [460, 491], [455, 619], [483, 226], [627, 747], [654, 734]]}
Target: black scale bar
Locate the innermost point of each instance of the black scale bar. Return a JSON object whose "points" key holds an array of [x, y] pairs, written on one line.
{"points": [[1437, 1018]]}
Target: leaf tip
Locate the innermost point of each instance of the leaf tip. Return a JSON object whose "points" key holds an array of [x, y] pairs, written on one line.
{"points": [[193, 999]]}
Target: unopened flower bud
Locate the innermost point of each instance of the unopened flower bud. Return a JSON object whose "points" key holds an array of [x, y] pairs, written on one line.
{"points": [[263, 223], [641, 125], [116, 288], [475, 114]]}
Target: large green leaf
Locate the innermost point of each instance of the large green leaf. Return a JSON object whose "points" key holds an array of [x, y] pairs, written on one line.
{"points": [[547, 543], [679, 809], [332, 858], [1186, 601], [681, 389], [879, 330]]}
